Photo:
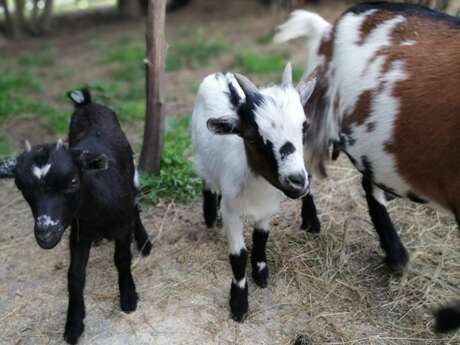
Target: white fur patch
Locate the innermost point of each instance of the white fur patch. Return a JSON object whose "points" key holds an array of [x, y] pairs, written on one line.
{"points": [[137, 180], [77, 96], [41, 172], [408, 43], [241, 284], [261, 266], [379, 195], [46, 221]]}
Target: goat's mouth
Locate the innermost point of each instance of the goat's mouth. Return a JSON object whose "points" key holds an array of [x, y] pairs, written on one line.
{"points": [[50, 237], [296, 193]]}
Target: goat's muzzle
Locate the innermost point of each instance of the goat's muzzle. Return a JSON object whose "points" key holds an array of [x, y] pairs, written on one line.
{"points": [[48, 233]]}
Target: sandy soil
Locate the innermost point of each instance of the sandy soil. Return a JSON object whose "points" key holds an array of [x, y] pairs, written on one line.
{"points": [[332, 288]]}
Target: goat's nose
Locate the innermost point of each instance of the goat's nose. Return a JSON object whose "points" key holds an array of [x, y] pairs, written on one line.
{"points": [[297, 180]]}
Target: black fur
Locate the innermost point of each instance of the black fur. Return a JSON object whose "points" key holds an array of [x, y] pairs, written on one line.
{"points": [[310, 221], [287, 149], [238, 296], [415, 198], [447, 319], [259, 240], [92, 184], [210, 207], [396, 255]]}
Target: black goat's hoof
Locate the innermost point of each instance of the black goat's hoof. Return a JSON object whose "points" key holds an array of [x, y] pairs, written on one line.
{"points": [[397, 260], [146, 248], [73, 331], [311, 226], [260, 274], [239, 302], [302, 340], [128, 300]]}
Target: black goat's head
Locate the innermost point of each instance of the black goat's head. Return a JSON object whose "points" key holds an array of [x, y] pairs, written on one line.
{"points": [[50, 177]]}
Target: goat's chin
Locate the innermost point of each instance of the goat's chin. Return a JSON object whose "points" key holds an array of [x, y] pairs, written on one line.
{"points": [[295, 194], [50, 241]]}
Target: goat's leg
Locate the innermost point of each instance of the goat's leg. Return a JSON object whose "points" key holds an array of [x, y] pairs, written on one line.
{"points": [[238, 258], [310, 221], [258, 256], [140, 235], [79, 253], [396, 255], [210, 206], [128, 295]]}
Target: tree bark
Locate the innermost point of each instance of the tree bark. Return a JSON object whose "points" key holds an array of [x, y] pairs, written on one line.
{"points": [[45, 19], [9, 21], [155, 70]]}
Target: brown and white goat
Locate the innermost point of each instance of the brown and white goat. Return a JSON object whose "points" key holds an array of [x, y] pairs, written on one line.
{"points": [[388, 96]]}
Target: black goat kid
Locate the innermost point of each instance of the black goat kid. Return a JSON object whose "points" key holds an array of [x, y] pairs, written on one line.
{"points": [[90, 186]]}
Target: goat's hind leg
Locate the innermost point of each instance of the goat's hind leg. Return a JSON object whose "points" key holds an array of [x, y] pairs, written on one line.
{"points": [[79, 252], [258, 256], [211, 202], [140, 235], [128, 295], [396, 255]]}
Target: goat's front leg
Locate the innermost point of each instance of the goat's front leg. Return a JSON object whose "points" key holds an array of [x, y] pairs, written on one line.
{"points": [[258, 256], [238, 258], [310, 221], [79, 253], [128, 295]]}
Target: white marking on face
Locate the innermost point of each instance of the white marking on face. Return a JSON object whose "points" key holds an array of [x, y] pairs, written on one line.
{"points": [[41, 172], [241, 283], [280, 119], [261, 266], [46, 221]]}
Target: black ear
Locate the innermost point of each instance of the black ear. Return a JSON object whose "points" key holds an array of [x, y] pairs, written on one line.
{"points": [[88, 161], [8, 168], [224, 125], [80, 97]]}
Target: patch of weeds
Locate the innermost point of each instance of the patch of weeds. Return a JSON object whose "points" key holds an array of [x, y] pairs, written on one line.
{"points": [[129, 56], [64, 73], [250, 62], [15, 88], [193, 53], [43, 58], [176, 180], [266, 38]]}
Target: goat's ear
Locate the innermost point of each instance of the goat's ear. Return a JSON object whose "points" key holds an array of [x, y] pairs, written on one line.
{"points": [[8, 168], [80, 97], [224, 125], [306, 87], [88, 161], [286, 80]]}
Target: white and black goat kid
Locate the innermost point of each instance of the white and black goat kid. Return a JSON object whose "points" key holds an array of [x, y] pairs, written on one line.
{"points": [[248, 149], [90, 186], [388, 96]]}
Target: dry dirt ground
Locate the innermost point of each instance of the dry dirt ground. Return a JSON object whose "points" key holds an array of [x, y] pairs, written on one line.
{"points": [[332, 288]]}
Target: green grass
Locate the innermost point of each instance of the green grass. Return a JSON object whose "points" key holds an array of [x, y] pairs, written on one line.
{"points": [[6, 149], [42, 58], [193, 53], [254, 63], [176, 180]]}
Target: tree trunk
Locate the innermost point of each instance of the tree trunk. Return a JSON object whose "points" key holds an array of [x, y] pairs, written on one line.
{"points": [[129, 9], [45, 19], [9, 21], [155, 70]]}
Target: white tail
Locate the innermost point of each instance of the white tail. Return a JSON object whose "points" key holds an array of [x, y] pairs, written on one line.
{"points": [[304, 24]]}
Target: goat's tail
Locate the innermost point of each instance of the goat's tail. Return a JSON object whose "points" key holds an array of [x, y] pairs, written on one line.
{"points": [[447, 319], [303, 24]]}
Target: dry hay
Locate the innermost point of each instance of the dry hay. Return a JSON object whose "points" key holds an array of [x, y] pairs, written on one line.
{"points": [[333, 287]]}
